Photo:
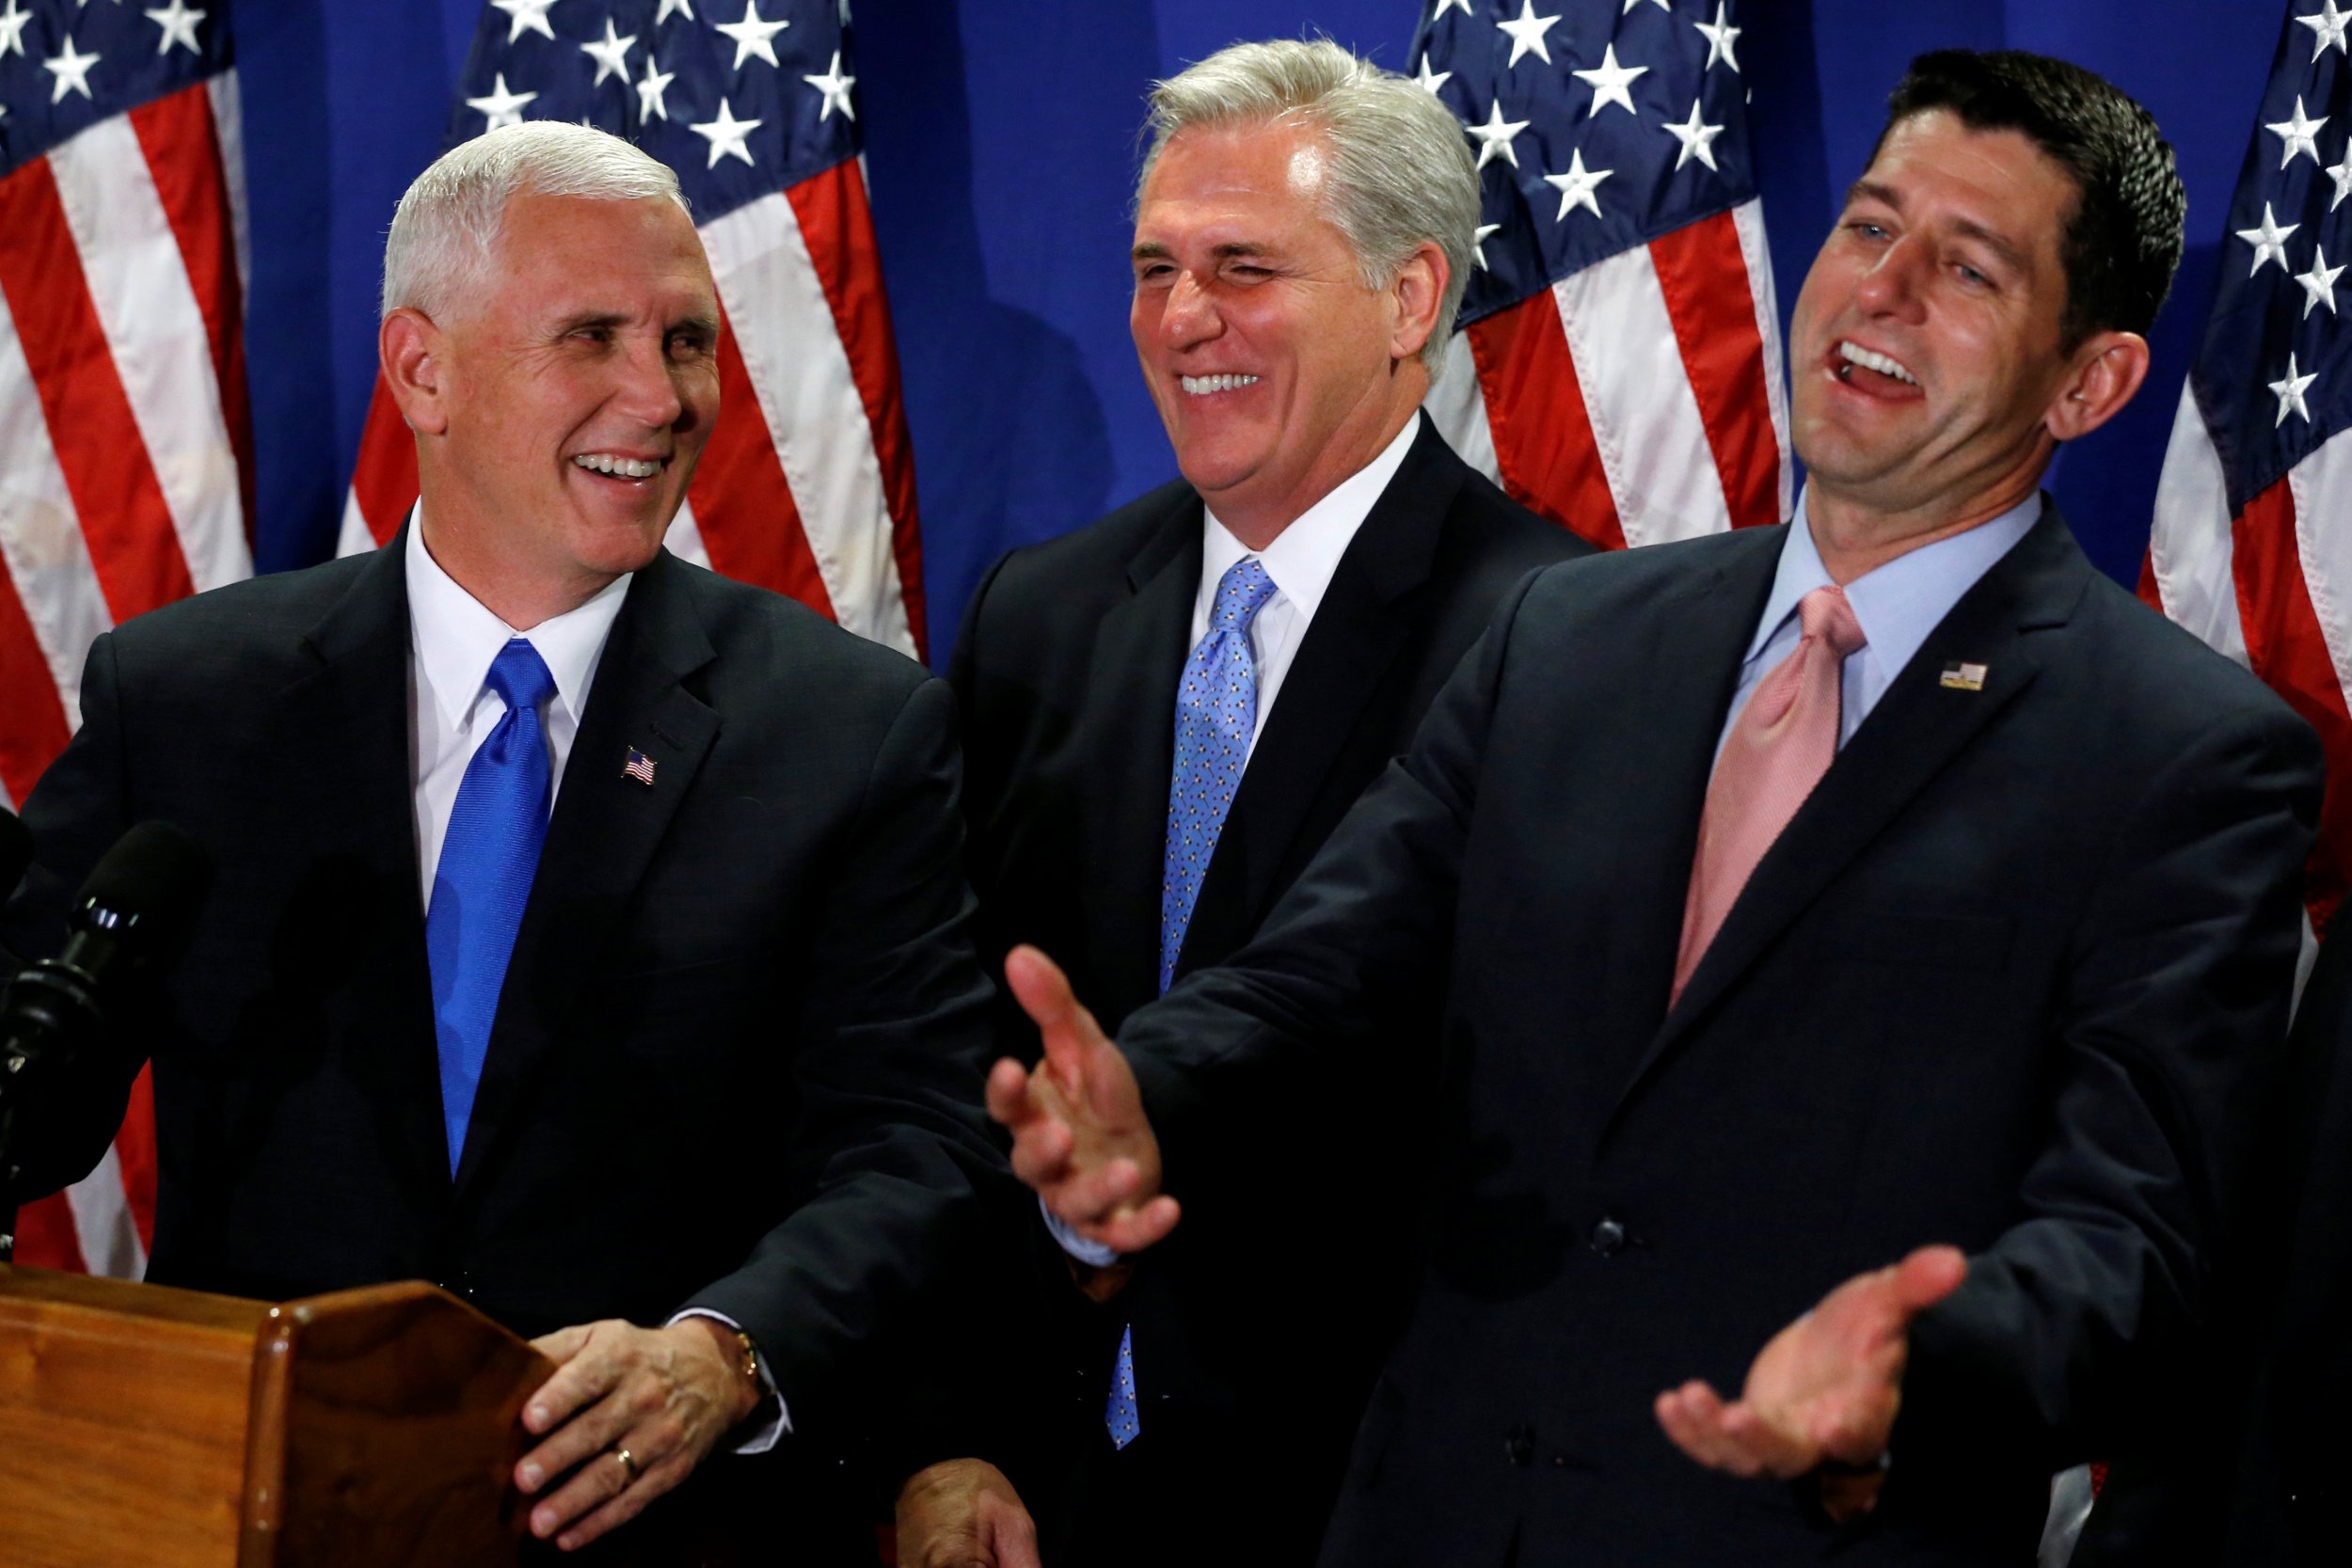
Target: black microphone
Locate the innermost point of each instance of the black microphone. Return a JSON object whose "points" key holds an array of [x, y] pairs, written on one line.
{"points": [[132, 911]]}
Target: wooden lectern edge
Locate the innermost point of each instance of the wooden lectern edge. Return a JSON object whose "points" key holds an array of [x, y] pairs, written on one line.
{"points": [[272, 1373]]}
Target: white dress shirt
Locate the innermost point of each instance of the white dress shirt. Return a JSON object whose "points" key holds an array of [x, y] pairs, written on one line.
{"points": [[453, 639], [1300, 563]]}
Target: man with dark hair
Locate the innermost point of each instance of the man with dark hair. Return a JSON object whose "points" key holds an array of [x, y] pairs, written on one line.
{"points": [[1888, 898]]}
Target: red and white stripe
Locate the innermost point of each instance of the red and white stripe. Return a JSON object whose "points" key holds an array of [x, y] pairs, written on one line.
{"points": [[808, 485], [125, 473], [1639, 400], [2270, 586]]}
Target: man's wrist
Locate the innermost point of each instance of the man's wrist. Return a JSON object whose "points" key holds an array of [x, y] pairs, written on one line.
{"points": [[735, 1348]]}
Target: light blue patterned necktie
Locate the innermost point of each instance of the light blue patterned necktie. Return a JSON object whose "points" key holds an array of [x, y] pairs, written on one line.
{"points": [[1216, 713], [488, 858]]}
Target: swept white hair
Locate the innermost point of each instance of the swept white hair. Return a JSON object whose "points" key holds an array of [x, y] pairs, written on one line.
{"points": [[448, 225], [1399, 173]]}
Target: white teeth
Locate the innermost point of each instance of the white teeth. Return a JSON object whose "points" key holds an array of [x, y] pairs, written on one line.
{"points": [[1878, 362], [1201, 385], [623, 467]]}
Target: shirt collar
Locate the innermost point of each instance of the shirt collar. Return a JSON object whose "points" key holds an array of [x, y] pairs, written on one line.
{"points": [[1899, 602], [1304, 556], [456, 637]]}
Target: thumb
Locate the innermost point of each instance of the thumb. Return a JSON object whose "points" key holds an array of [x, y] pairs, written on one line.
{"points": [[1926, 1276], [1067, 1029]]}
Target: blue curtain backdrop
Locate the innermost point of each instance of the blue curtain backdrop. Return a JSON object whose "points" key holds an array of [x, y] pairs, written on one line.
{"points": [[1001, 146]]}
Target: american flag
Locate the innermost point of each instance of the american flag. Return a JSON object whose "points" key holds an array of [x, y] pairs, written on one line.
{"points": [[125, 450], [808, 485], [2249, 548], [1619, 368]]}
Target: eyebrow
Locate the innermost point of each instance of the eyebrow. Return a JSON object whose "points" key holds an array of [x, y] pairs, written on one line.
{"points": [[613, 319], [1151, 250], [2000, 244]]}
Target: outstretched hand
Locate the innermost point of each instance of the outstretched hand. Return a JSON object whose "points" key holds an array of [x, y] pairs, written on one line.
{"points": [[1080, 1135], [1827, 1386]]}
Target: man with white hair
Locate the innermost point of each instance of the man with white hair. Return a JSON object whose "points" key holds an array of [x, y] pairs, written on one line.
{"points": [[1167, 711], [589, 934]]}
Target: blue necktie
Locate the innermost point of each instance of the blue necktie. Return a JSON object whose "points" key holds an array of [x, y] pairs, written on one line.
{"points": [[488, 857], [1216, 713]]}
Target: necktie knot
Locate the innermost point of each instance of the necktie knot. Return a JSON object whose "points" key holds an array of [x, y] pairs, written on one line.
{"points": [[1825, 613], [520, 676], [1241, 593]]}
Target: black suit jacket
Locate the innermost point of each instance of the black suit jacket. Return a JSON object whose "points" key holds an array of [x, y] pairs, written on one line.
{"points": [[1067, 668], [2009, 979], [736, 1058]]}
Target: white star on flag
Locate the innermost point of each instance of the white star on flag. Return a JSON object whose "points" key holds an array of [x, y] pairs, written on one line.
{"points": [[1444, 6], [179, 24], [2290, 395], [835, 88], [71, 72], [12, 31], [1496, 136], [651, 104], [1478, 245], [2301, 135], [2327, 24], [611, 55], [1697, 139], [683, 8], [2341, 175], [2319, 284], [1429, 80], [502, 104], [1527, 35], [2269, 241], [1663, 5], [526, 16], [1577, 186], [753, 36], [1609, 81], [726, 134], [1721, 38]]}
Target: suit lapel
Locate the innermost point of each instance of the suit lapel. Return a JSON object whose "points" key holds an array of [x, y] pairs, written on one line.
{"points": [[603, 835], [1918, 728], [349, 724], [1353, 639], [1131, 723]]}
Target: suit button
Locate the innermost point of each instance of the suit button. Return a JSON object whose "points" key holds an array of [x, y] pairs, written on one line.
{"points": [[1520, 1447], [1609, 1237]]}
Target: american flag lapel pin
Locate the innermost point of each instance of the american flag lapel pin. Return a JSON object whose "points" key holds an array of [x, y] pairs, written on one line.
{"points": [[638, 767], [1964, 677]]}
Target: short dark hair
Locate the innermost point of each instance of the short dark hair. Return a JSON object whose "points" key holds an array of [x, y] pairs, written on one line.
{"points": [[2124, 238]]}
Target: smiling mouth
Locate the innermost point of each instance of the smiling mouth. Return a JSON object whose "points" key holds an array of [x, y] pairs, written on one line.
{"points": [[1851, 357], [615, 467], [1206, 386]]}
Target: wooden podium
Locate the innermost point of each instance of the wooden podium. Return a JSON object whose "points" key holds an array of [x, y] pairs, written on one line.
{"points": [[166, 1428]]}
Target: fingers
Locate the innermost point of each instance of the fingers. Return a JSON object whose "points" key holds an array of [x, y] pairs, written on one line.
{"points": [[1733, 1438], [1133, 1229], [1015, 1536], [588, 1372], [604, 1497], [562, 1345], [1009, 1098], [1070, 1034]]}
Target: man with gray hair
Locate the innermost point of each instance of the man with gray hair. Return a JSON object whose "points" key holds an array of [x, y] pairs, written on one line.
{"points": [[1166, 712], [589, 935]]}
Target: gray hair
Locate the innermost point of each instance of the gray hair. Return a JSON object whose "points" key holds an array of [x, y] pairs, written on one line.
{"points": [[449, 222], [1399, 172]]}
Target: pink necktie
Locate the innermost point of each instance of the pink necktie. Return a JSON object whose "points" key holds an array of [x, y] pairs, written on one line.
{"points": [[1776, 753]]}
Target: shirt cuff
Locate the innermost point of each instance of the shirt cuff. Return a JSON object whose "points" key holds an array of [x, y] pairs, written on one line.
{"points": [[779, 1423], [1094, 1254]]}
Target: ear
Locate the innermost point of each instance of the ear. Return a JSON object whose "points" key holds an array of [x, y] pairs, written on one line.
{"points": [[1418, 289], [412, 351], [2102, 376]]}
